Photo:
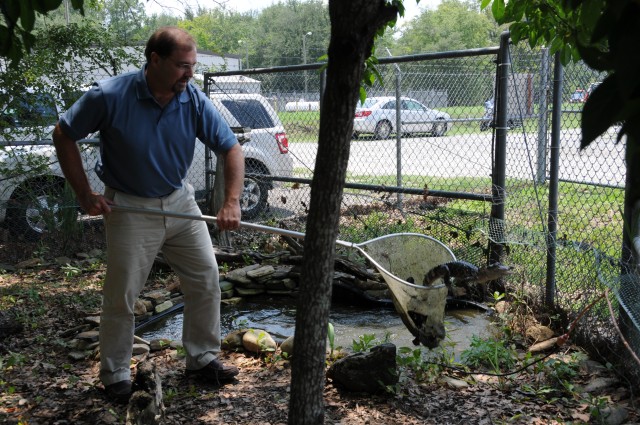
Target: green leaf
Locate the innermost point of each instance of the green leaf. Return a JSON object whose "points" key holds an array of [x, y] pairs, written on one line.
{"points": [[519, 31], [497, 8], [595, 58], [12, 10], [50, 5], [27, 17], [565, 55], [363, 94], [601, 111], [514, 10], [484, 4]]}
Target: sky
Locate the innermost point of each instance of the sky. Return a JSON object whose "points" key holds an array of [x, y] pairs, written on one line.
{"points": [[176, 6]]}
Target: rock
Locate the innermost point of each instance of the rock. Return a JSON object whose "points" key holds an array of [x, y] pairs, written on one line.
{"points": [[232, 301], [158, 296], [245, 292], [239, 276], [163, 307], [258, 341], [537, 333], [225, 295], [159, 344], [78, 355], [543, 346], [140, 349], [366, 372], [287, 346], [501, 307], [233, 341], [598, 384], [379, 294], [261, 272], [225, 285], [30, 263], [139, 308], [456, 384], [91, 336], [614, 415], [7, 267], [92, 320], [62, 261], [10, 323]]}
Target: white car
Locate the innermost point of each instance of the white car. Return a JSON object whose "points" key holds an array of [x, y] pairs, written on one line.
{"points": [[377, 116], [32, 186], [267, 151]]}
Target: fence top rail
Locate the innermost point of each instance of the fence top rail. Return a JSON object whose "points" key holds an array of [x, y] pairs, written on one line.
{"points": [[484, 51], [42, 142]]}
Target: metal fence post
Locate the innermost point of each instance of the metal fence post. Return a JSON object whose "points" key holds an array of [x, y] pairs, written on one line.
{"points": [[398, 135], [499, 167], [541, 173], [554, 172]]}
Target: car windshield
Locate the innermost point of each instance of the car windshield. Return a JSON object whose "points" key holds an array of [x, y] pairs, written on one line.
{"points": [[249, 113], [369, 102], [30, 110]]}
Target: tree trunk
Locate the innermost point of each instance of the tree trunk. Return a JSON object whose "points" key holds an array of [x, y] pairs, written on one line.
{"points": [[353, 27]]}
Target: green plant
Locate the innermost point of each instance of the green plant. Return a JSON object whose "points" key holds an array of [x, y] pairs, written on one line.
{"points": [[412, 360], [11, 360], [489, 353], [240, 323], [331, 334], [170, 393], [497, 296], [364, 343], [70, 271]]}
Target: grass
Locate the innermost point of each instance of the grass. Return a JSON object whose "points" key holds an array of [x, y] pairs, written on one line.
{"points": [[588, 238]]}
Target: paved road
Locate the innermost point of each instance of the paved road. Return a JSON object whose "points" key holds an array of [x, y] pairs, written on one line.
{"points": [[470, 155]]}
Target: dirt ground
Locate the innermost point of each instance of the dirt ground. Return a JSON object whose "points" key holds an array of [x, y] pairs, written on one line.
{"points": [[41, 384]]}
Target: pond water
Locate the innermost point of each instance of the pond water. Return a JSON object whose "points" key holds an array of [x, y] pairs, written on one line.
{"points": [[276, 315]]}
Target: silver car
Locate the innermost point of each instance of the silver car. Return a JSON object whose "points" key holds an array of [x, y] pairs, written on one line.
{"points": [[377, 116]]}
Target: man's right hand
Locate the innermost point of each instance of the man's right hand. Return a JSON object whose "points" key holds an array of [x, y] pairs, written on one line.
{"points": [[95, 204]]}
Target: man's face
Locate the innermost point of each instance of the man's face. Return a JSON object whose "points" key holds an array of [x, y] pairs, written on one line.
{"points": [[177, 69]]}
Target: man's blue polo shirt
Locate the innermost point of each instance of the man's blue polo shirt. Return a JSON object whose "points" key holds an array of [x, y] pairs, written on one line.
{"points": [[145, 149]]}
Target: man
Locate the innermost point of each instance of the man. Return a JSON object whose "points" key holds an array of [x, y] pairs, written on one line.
{"points": [[148, 122]]}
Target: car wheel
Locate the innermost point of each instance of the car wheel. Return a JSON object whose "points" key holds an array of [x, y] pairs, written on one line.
{"points": [[383, 130], [38, 207], [254, 195], [439, 128]]}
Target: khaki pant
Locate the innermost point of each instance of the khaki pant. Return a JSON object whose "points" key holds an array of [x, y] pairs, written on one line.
{"points": [[133, 241]]}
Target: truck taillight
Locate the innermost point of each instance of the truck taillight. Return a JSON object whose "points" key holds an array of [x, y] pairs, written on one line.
{"points": [[283, 142]]}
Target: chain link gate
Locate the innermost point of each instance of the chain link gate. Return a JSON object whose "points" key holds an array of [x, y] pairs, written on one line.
{"points": [[442, 182]]}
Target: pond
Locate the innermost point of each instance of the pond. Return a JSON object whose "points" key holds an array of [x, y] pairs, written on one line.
{"points": [[276, 315]]}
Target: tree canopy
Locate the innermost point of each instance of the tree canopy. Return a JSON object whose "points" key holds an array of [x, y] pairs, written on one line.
{"points": [[454, 25]]}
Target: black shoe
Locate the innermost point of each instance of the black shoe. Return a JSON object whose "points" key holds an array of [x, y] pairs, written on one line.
{"points": [[120, 392], [215, 372]]}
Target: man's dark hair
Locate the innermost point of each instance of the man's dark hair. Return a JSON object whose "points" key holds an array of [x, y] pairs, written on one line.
{"points": [[167, 39]]}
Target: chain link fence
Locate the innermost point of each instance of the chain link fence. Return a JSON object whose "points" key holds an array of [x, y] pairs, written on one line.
{"points": [[427, 149]]}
